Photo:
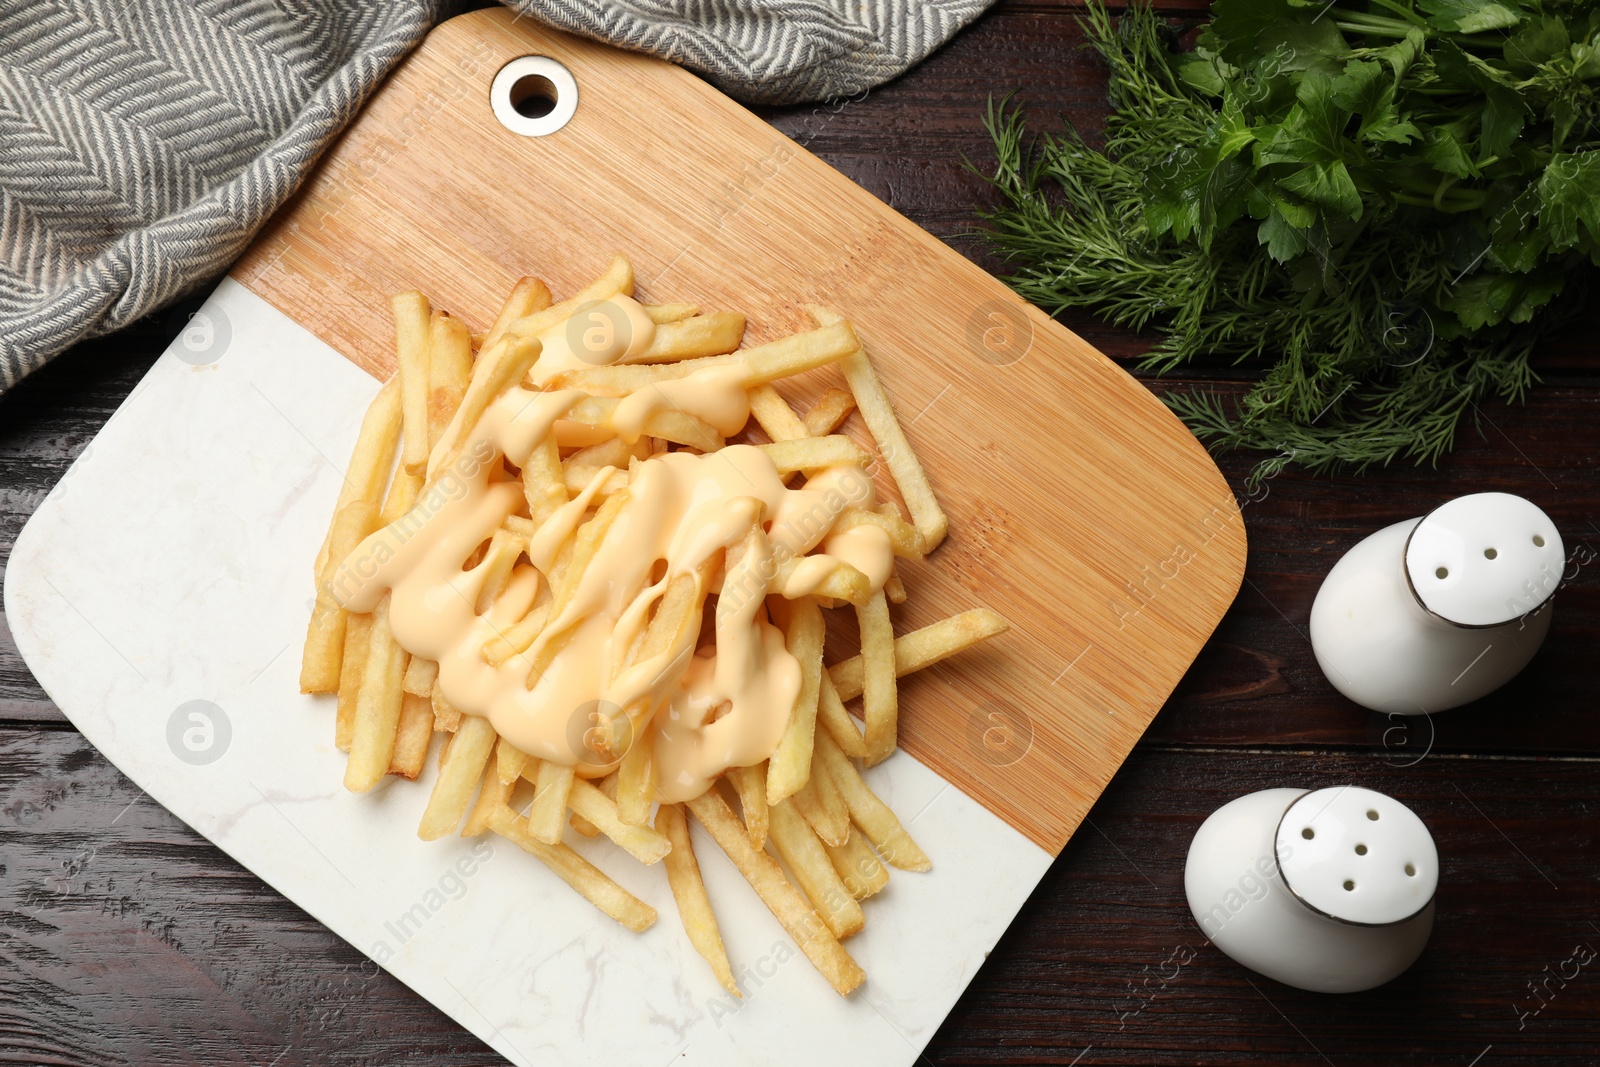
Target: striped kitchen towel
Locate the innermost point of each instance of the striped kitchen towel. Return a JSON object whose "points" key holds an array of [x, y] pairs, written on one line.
{"points": [[144, 142]]}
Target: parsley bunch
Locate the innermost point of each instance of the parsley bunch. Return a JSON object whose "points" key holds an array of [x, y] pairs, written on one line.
{"points": [[1383, 206]]}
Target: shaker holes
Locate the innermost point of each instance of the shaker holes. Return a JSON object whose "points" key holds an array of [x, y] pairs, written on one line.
{"points": [[1372, 814], [1361, 850], [1442, 572], [1538, 542], [1348, 885], [1308, 833], [1411, 871], [1489, 553]]}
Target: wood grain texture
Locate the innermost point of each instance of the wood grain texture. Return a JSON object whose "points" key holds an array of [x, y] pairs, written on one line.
{"points": [[125, 938], [1029, 448], [1082, 966]]}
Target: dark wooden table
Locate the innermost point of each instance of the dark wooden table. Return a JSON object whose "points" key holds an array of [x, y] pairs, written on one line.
{"points": [[125, 938]]}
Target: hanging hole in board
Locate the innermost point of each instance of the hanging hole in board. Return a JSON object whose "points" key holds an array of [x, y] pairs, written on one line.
{"points": [[534, 96]]}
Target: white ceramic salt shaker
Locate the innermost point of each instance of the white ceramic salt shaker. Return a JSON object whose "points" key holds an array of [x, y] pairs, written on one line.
{"points": [[1435, 612], [1329, 890]]}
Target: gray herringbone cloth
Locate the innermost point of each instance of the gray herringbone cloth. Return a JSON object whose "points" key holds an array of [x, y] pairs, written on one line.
{"points": [[144, 142]]}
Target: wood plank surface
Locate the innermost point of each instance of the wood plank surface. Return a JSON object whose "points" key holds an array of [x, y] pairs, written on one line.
{"points": [[127, 939]]}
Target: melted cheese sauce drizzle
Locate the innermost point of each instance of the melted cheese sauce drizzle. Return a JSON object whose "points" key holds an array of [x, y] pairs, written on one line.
{"points": [[711, 708]]}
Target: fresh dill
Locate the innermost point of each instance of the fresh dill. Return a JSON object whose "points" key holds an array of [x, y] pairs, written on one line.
{"points": [[1381, 207]]}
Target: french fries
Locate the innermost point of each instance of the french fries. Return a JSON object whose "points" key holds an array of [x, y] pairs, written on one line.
{"points": [[807, 798], [805, 856], [819, 944]]}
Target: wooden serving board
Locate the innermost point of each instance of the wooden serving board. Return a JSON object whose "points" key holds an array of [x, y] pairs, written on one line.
{"points": [[1080, 508]]}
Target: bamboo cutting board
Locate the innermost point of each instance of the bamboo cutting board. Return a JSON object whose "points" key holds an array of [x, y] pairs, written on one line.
{"points": [[1079, 508]]}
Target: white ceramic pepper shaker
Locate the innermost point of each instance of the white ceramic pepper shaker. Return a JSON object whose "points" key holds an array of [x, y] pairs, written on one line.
{"points": [[1435, 612], [1329, 890]]}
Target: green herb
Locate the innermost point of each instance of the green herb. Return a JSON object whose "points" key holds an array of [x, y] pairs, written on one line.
{"points": [[1382, 206]]}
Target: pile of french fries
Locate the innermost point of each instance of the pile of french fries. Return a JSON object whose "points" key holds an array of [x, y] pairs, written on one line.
{"points": [[802, 826]]}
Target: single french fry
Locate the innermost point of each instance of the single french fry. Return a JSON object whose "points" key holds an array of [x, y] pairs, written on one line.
{"points": [[880, 697], [411, 736], [498, 368], [837, 721], [378, 707], [552, 787], [751, 785], [782, 358], [576, 478], [862, 871], [449, 373], [528, 297], [878, 413], [814, 453], [324, 647], [641, 842], [636, 785], [812, 869], [370, 462], [446, 716], [515, 639], [459, 775], [493, 795], [904, 538], [923, 648], [790, 765], [803, 924], [357, 641], [509, 761], [577, 872], [676, 426], [412, 330], [874, 817], [543, 482], [894, 588], [829, 411], [711, 334], [689, 890], [775, 415], [583, 826], [840, 582], [822, 805], [420, 676], [663, 313], [402, 495], [504, 551]]}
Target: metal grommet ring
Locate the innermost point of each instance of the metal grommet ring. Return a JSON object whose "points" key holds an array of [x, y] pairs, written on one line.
{"points": [[534, 96]]}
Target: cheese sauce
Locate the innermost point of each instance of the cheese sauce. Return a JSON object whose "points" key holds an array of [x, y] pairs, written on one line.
{"points": [[708, 709]]}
